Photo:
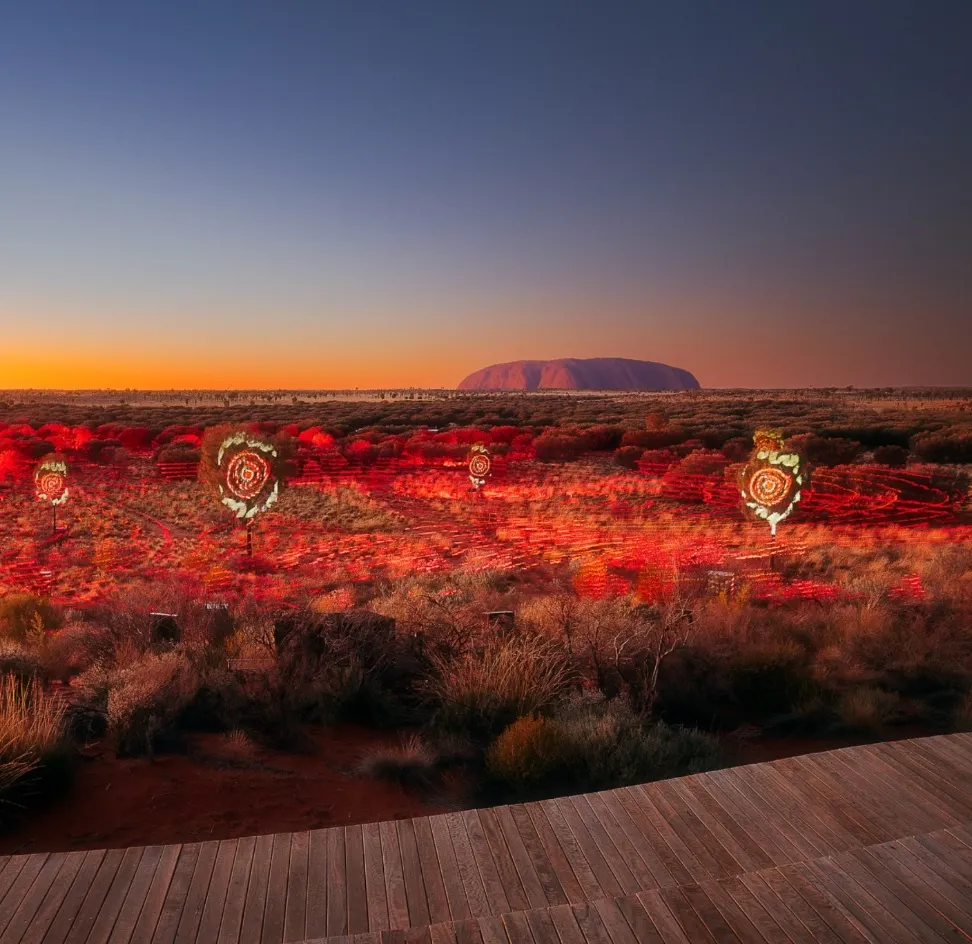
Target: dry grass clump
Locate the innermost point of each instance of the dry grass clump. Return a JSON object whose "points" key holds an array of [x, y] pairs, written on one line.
{"points": [[485, 688], [868, 709], [237, 747], [413, 762], [31, 731]]}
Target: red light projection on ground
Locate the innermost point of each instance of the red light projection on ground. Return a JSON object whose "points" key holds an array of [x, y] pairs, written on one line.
{"points": [[375, 507]]}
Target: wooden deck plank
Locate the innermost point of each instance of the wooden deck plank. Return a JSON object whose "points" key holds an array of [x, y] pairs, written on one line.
{"points": [[610, 871], [557, 856], [855, 815], [688, 918], [232, 917], [275, 910], [13, 865], [705, 907], [316, 908], [131, 907], [899, 798], [760, 918], [955, 904], [493, 930], [691, 867], [435, 891], [922, 899], [564, 921], [32, 867], [937, 853], [662, 917], [415, 894], [495, 893], [836, 917], [296, 907], [337, 883], [797, 919], [374, 877], [104, 919], [467, 932], [647, 866], [782, 811], [449, 869], [518, 928], [611, 843], [212, 913], [717, 840], [867, 912], [718, 820], [542, 926], [757, 821], [639, 920], [73, 900], [176, 895], [394, 878], [516, 894], [148, 918], [528, 870], [357, 883], [735, 917], [548, 816], [472, 881], [39, 906], [255, 902], [195, 904], [590, 924], [952, 801]]}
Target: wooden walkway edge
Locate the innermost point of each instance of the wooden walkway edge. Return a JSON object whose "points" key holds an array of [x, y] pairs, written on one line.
{"points": [[869, 843]]}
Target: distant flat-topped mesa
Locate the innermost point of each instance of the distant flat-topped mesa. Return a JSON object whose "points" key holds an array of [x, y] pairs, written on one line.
{"points": [[573, 373]]}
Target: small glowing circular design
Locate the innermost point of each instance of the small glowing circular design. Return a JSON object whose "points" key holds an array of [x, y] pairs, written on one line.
{"points": [[50, 482], [247, 474], [770, 485], [479, 465]]}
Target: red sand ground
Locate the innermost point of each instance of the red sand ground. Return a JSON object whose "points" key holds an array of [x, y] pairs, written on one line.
{"points": [[116, 802], [196, 796]]}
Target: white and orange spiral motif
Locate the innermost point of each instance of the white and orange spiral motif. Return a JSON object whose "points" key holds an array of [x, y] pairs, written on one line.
{"points": [[50, 481], [248, 484], [480, 465], [772, 481]]}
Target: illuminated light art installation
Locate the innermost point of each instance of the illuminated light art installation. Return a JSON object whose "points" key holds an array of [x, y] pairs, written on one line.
{"points": [[773, 479], [248, 483], [50, 483], [480, 465]]}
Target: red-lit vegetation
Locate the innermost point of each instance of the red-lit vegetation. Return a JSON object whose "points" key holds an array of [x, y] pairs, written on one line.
{"points": [[642, 598]]}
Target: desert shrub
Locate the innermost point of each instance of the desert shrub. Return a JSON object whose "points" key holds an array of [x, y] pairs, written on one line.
{"points": [[771, 680], [627, 456], [527, 752], [607, 744], [73, 649], [412, 763], [24, 616], [350, 666], [894, 456], [953, 445], [868, 709], [18, 662], [145, 700], [558, 445], [237, 748], [485, 688]]}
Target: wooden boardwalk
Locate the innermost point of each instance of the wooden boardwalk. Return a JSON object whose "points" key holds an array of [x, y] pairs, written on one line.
{"points": [[861, 844]]}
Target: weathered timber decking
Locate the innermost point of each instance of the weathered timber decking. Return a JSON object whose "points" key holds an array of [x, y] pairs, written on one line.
{"points": [[861, 844]]}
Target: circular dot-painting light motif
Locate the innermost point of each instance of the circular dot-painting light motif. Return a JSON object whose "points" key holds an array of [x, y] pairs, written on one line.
{"points": [[770, 485], [248, 479], [479, 465], [247, 474], [50, 481]]}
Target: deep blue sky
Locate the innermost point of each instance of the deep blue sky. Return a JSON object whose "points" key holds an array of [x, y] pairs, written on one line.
{"points": [[325, 194]]}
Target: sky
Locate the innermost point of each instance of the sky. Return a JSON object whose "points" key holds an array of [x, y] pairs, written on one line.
{"points": [[329, 194]]}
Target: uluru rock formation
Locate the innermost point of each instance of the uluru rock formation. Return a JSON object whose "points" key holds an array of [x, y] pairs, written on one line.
{"points": [[572, 373]]}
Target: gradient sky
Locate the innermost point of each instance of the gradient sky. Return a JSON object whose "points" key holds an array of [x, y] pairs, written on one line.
{"points": [[332, 194]]}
